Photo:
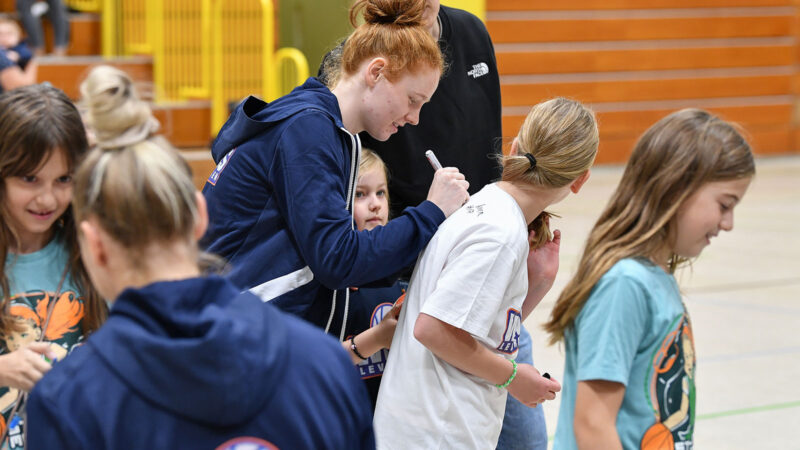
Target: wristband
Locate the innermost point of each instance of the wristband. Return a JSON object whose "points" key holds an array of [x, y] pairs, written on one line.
{"points": [[355, 350], [511, 378]]}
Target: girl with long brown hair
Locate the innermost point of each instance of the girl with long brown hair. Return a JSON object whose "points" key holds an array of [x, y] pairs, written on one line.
{"points": [[629, 375], [48, 304]]}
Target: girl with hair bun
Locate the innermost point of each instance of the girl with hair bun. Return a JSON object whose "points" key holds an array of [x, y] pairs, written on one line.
{"points": [[115, 115], [184, 360], [629, 370], [453, 354], [281, 196]]}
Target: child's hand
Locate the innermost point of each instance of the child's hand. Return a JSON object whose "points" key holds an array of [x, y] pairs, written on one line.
{"points": [[448, 190], [543, 263], [12, 55], [385, 329], [23, 368], [530, 388]]}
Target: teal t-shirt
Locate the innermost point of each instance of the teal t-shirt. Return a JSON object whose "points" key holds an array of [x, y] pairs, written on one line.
{"points": [[634, 330], [33, 280]]}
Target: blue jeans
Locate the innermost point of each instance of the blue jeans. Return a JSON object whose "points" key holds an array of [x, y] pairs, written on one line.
{"points": [[523, 427]]}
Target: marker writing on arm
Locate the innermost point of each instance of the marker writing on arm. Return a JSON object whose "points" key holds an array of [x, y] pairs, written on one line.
{"points": [[433, 160]]}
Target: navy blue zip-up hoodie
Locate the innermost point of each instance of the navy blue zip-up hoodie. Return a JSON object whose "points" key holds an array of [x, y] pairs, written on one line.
{"points": [[195, 364], [279, 204]]}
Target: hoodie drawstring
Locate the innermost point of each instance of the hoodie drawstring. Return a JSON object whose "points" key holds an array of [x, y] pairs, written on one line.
{"points": [[355, 160]]}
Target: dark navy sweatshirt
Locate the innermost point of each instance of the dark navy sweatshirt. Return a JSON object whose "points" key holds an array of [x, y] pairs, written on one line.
{"points": [[279, 204], [195, 364]]}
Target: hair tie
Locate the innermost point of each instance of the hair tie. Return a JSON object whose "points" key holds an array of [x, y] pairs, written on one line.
{"points": [[532, 160]]}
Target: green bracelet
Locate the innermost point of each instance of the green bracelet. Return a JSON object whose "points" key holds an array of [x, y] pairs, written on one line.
{"points": [[511, 378]]}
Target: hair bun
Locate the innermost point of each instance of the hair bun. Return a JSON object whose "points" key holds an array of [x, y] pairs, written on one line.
{"points": [[406, 13]]}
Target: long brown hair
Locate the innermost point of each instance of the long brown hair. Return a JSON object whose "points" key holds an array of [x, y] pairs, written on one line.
{"points": [[34, 121], [561, 134], [673, 159]]}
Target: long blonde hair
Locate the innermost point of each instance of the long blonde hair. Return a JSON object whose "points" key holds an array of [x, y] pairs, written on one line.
{"points": [[561, 135], [673, 159], [141, 195]]}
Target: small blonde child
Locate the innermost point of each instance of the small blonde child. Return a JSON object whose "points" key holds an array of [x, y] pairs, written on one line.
{"points": [[452, 362], [373, 310], [48, 305], [629, 373]]}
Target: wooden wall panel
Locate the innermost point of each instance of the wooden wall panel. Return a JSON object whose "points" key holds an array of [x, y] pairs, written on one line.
{"points": [[625, 28], [545, 5], [599, 60], [632, 60]]}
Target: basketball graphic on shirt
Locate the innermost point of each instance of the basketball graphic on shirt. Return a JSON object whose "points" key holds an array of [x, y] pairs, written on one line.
{"points": [[658, 437], [671, 390]]}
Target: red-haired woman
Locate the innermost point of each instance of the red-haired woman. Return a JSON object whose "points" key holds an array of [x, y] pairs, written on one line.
{"points": [[280, 199]]}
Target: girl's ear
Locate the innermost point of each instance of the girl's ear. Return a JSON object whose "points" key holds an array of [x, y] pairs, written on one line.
{"points": [[94, 249], [375, 71], [514, 147], [576, 185], [202, 216]]}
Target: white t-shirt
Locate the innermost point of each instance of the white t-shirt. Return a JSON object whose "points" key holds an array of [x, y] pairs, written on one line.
{"points": [[472, 275]]}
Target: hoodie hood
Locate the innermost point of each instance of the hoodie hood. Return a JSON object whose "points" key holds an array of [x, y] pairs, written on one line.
{"points": [[253, 116], [197, 348]]}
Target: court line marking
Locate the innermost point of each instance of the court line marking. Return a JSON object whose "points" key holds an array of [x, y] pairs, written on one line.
{"points": [[738, 412], [754, 409]]}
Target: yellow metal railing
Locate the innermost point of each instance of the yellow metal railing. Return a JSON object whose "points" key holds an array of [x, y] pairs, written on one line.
{"points": [[292, 69], [180, 34], [85, 5], [477, 7], [126, 26], [222, 50]]}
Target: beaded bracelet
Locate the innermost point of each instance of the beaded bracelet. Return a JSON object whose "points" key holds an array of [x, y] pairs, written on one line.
{"points": [[511, 378], [355, 349]]}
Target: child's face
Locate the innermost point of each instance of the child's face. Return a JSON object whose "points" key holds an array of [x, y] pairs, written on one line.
{"points": [[705, 213], [34, 202], [9, 35], [372, 206]]}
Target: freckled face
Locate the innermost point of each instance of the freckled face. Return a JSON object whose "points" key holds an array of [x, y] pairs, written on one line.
{"points": [[393, 104]]}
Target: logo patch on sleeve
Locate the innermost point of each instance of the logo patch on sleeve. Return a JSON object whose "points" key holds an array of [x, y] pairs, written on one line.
{"points": [[214, 177], [247, 443], [510, 342]]}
